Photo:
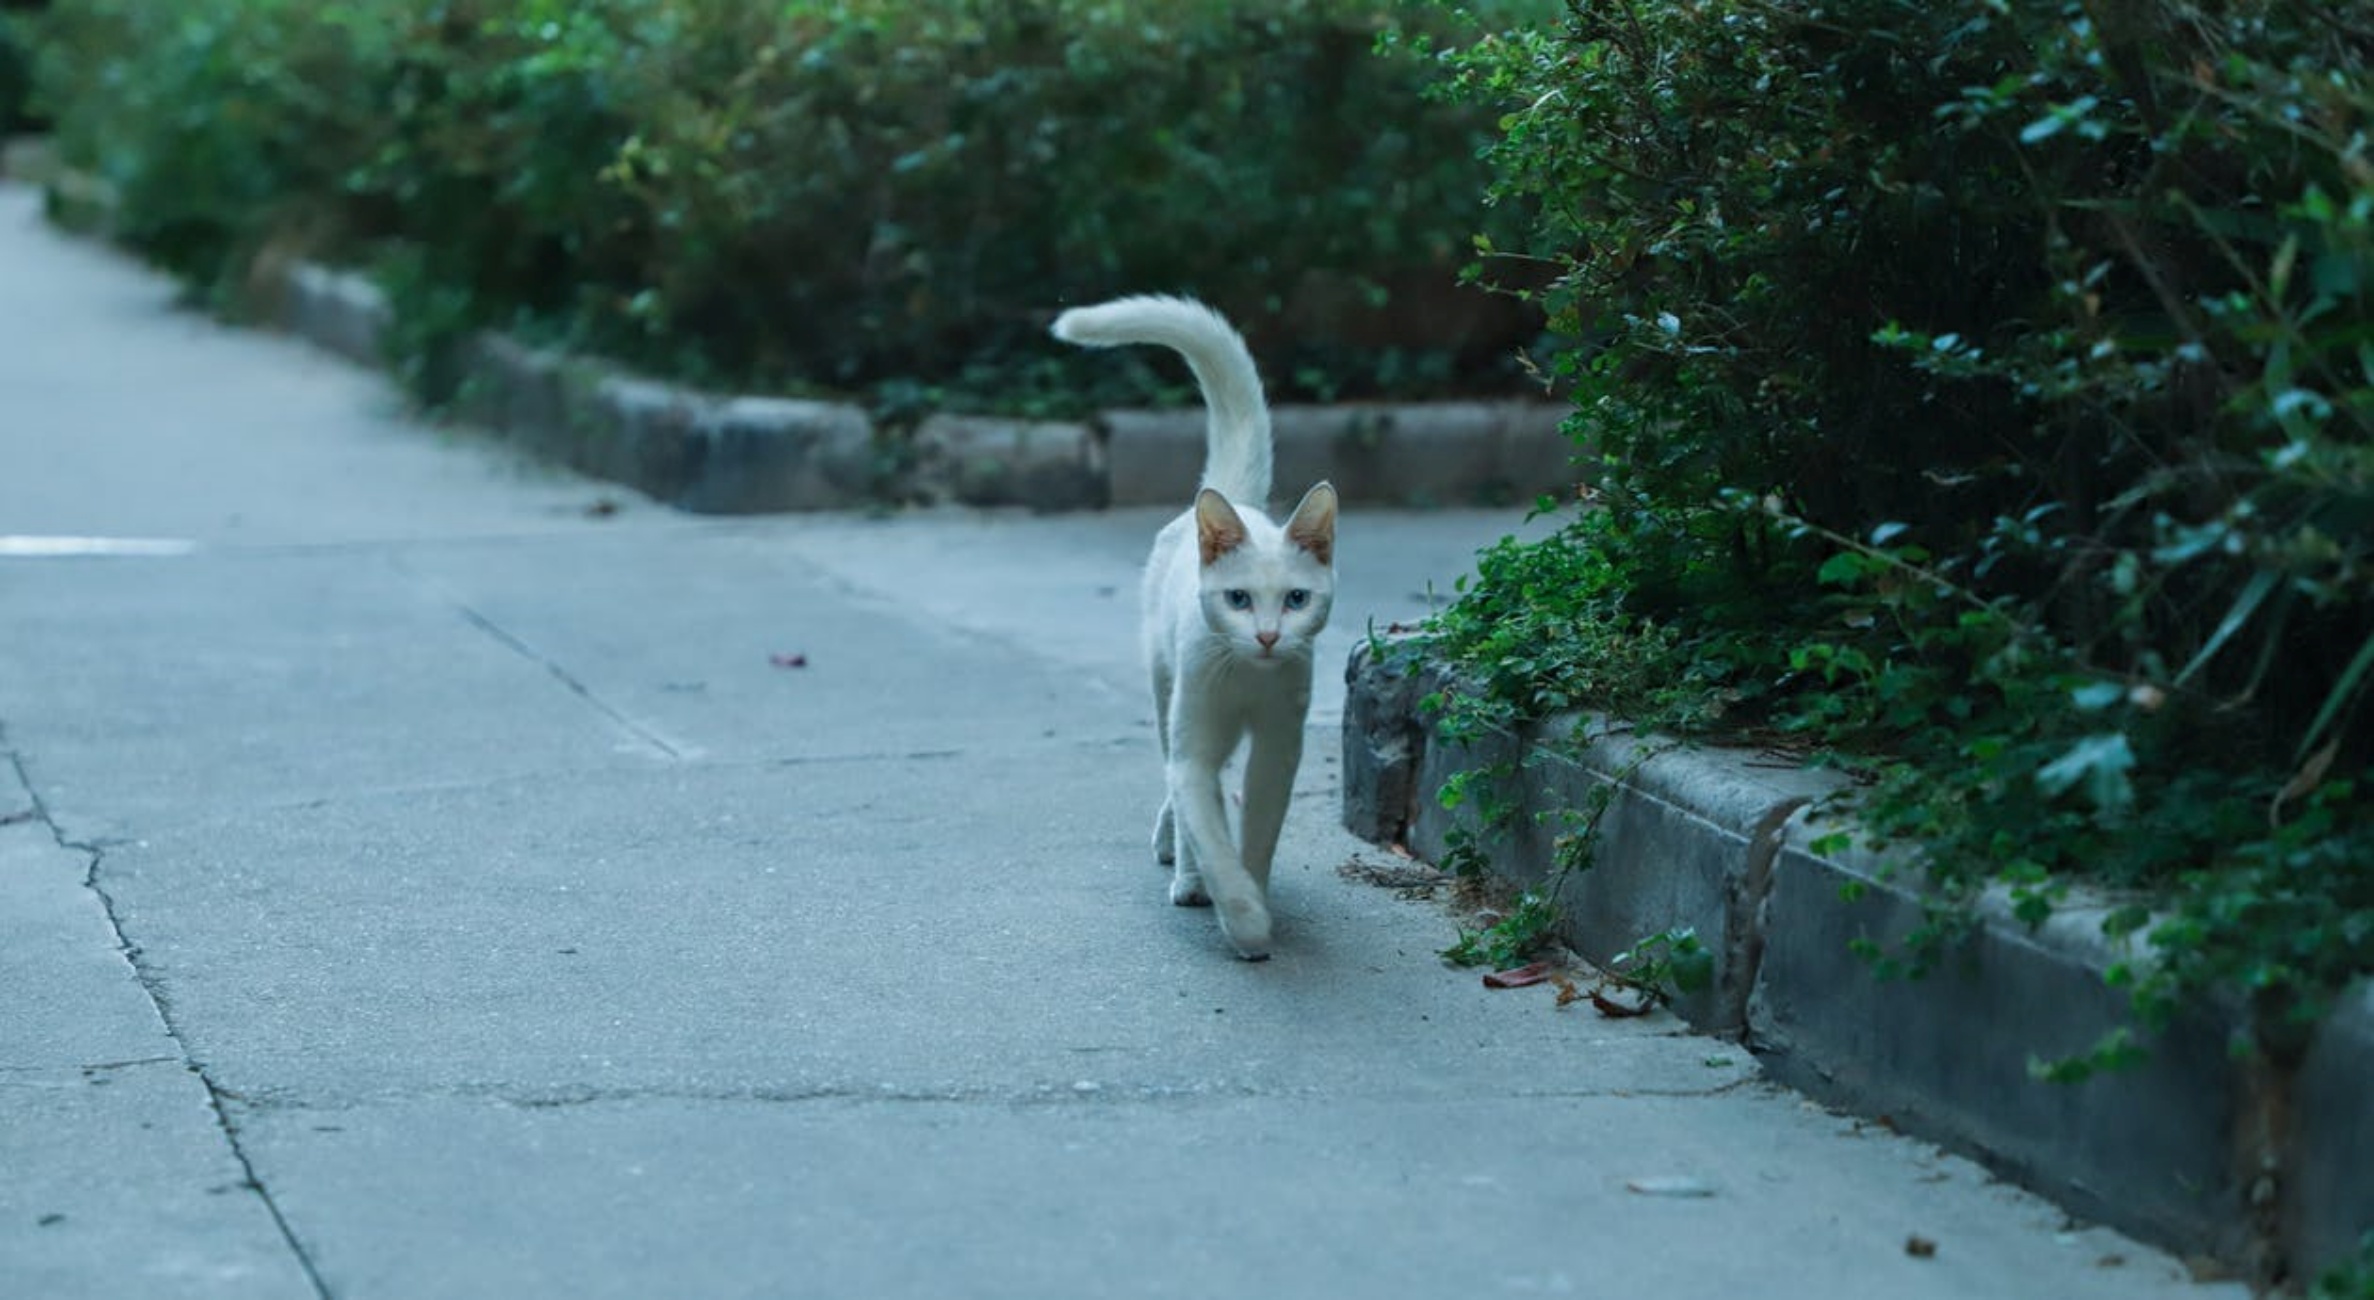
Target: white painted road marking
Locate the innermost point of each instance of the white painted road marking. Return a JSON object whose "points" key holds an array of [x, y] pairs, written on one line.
{"points": [[21, 547]]}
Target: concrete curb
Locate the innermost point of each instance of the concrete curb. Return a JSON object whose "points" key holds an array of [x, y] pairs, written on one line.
{"points": [[342, 313], [2328, 1144], [738, 454], [74, 201], [724, 454], [2197, 1148]]}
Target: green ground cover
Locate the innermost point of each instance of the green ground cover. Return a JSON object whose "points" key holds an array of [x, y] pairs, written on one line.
{"points": [[1986, 385]]}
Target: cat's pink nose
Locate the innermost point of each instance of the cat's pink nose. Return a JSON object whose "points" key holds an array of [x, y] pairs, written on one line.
{"points": [[1268, 640]]}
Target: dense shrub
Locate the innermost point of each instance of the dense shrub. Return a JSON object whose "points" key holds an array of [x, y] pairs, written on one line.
{"points": [[1986, 384], [216, 123], [16, 69], [853, 193]]}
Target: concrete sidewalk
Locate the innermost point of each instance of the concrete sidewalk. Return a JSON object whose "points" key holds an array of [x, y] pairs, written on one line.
{"points": [[453, 878]]}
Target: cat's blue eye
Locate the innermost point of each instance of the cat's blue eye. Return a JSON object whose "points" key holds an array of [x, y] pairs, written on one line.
{"points": [[1238, 598], [1297, 598]]}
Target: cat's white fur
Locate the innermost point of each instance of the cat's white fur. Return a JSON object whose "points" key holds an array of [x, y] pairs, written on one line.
{"points": [[1232, 602]]}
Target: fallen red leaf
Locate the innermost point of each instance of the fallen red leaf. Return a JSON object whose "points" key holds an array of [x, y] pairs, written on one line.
{"points": [[1520, 977], [1619, 1009]]}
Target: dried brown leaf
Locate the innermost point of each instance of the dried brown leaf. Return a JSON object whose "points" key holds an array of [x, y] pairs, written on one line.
{"points": [[2311, 775], [1568, 994], [1622, 1001], [1534, 973]]}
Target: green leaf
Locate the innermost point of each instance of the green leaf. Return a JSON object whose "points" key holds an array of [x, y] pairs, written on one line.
{"points": [[2093, 697], [2100, 763], [2343, 691], [1693, 967], [1843, 569], [2060, 118], [2254, 594]]}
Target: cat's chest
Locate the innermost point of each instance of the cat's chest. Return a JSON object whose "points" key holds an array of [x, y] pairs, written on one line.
{"points": [[1249, 697]]}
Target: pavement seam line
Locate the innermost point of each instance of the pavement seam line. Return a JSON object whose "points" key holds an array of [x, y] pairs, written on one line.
{"points": [[570, 680], [1045, 1096], [151, 988]]}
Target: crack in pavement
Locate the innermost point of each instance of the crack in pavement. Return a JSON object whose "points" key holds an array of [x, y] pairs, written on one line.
{"points": [[153, 987], [89, 1068]]}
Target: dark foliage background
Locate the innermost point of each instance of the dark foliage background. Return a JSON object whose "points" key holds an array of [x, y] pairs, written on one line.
{"points": [[857, 195]]}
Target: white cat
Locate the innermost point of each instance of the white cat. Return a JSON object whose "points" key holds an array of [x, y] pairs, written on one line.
{"points": [[1232, 604]]}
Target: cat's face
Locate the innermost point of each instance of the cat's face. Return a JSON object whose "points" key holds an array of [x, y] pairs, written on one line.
{"points": [[1266, 589]]}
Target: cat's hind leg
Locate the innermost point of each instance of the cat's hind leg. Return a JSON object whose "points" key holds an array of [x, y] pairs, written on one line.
{"points": [[1166, 830], [1186, 878], [1166, 835], [1187, 887]]}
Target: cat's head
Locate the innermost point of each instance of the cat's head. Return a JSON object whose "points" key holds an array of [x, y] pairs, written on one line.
{"points": [[1267, 588]]}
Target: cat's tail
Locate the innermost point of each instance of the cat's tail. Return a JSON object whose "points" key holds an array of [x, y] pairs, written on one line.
{"points": [[1236, 439]]}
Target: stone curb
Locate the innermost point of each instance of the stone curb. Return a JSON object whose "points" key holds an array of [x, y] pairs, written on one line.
{"points": [[74, 201], [342, 313], [2196, 1148], [715, 454], [730, 454], [2329, 1142]]}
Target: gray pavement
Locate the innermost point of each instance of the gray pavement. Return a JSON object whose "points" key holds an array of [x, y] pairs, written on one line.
{"points": [[433, 883]]}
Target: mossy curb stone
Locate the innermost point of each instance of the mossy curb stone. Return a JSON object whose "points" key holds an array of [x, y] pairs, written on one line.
{"points": [[736, 454], [73, 201], [2328, 1140], [981, 460], [1432, 453], [726, 454], [2158, 1149], [2204, 1150], [343, 313], [749, 455]]}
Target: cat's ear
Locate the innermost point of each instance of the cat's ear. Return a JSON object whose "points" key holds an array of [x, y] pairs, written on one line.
{"points": [[1219, 529], [1313, 526]]}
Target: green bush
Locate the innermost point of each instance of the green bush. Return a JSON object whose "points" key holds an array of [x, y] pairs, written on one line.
{"points": [[16, 70], [215, 123], [1985, 385], [855, 194], [16, 88]]}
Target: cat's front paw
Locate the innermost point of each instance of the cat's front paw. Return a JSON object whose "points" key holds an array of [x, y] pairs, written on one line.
{"points": [[1246, 923], [1187, 890]]}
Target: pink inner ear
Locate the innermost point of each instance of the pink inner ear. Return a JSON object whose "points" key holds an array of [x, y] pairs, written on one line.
{"points": [[1317, 538], [1218, 529], [1217, 538], [1313, 526]]}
